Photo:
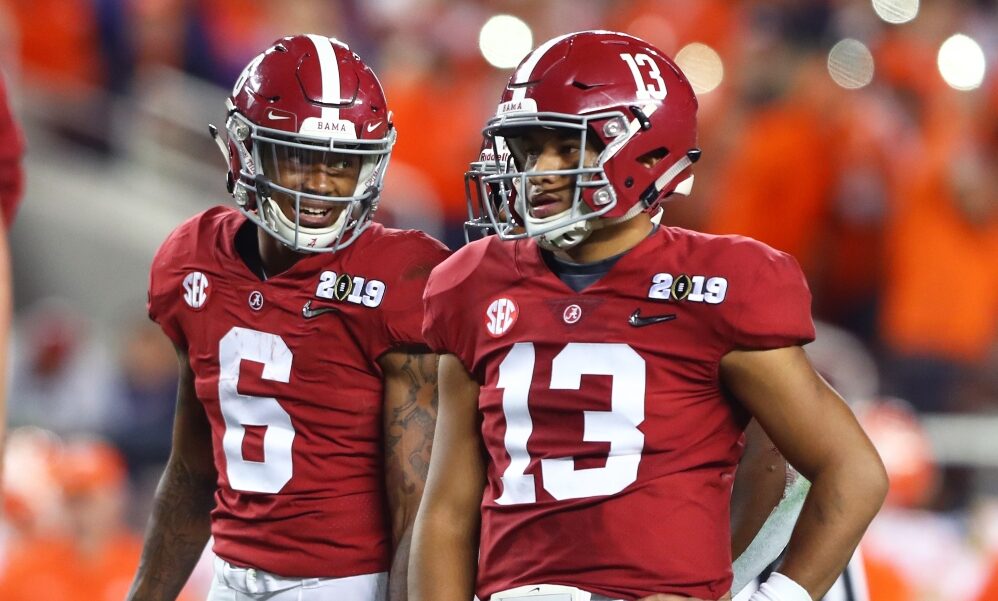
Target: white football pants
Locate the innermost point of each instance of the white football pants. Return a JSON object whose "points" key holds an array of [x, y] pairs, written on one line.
{"points": [[232, 583]]}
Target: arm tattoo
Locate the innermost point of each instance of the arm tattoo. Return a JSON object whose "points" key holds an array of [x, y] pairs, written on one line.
{"points": [[411, 420], [410, 417], [178, 531]]}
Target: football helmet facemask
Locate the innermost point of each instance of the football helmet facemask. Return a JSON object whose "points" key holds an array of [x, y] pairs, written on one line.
{"points": [[486, 202], [622, 96], [306, 110]]}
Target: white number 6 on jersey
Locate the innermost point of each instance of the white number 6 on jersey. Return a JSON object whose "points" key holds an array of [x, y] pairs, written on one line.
{"points": [[239, 411]]}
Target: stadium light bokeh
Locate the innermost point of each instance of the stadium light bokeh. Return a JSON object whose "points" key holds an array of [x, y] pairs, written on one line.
{"points": [[702, 65], [504, 40], [896, 11], [850, 64], [961, 63]]}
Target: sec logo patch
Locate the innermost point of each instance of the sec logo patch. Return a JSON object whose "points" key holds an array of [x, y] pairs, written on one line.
{"points": [[500, 316], [195, 290]]}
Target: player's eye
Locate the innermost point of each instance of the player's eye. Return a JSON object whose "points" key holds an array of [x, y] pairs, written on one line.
{"points": [[569, 149]]}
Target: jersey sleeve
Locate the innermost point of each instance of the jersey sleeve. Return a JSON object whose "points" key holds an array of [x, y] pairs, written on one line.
{"points": [[436, 321], [403, 313], [165, 290], [447, 325], [770, 300]]}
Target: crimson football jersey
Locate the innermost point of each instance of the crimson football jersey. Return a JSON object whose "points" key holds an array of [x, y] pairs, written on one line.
{"points": [[612, 445], [286, 369]]}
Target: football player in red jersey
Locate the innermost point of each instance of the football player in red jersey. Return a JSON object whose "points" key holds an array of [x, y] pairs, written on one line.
{"points": [[609, 366], [767, 493], [307, 393]]}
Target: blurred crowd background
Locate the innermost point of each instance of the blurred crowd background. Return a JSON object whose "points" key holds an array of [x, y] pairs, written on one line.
{"points": [[859, 135]]}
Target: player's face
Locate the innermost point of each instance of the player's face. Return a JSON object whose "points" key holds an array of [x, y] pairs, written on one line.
{"points": [[545, 149], [319, 172]]}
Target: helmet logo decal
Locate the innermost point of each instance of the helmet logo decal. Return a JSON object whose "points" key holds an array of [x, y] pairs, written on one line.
{"points": [[244, 76], [572, 314], [500, 316], [650, 85], [523, 105], [256, 300], [195, 289]]}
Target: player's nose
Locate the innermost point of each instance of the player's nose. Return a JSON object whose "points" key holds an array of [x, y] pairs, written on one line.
{"points": [[549, 159], [317, 181]]}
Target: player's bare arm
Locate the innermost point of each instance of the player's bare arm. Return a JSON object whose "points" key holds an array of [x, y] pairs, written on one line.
{"points": [[818, 434], [445, 538], [410, 417], [179, 526]]}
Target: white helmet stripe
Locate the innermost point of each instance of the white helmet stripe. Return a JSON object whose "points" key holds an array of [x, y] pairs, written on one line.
{"points": [[523, 73], [330, 69]]}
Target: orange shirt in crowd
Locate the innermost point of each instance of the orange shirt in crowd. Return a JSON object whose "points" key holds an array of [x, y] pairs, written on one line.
{"points": [[54, 569], [990, 590], [672, 25], [437, 116], [774, 187], [885, 582], [59, 41], [941, 295]]}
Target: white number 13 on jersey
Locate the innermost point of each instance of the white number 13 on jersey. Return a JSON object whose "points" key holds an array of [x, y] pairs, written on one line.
{"points": [[618, 426]]}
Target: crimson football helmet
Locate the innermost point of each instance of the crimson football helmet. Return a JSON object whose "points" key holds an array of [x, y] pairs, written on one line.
{"points": [[614, 90], [306, 100]]}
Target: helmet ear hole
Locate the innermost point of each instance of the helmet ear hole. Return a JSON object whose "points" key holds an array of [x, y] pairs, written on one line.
{"points": [[651, 157]]}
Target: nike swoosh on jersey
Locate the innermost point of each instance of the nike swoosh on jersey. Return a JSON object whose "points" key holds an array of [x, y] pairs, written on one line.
{"points": [[637, 320], [308, 312]]}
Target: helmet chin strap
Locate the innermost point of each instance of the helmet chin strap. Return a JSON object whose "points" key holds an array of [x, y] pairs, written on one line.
{"points": [[566, 237], [575, 233], [561, 238], [280, 223]]}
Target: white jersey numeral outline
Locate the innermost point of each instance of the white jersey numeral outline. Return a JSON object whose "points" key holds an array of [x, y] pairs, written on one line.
{"points": [[240, 410], [618, 426]]}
